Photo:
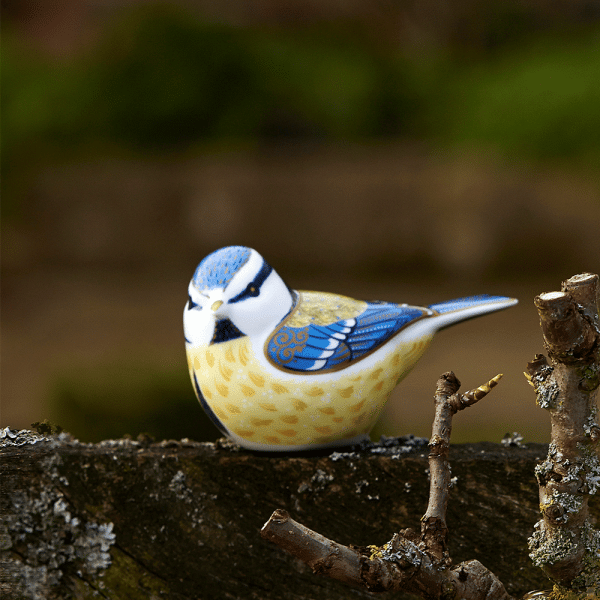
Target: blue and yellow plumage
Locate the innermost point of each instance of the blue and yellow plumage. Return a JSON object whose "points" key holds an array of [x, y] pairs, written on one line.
{"points": [[277, 369]]}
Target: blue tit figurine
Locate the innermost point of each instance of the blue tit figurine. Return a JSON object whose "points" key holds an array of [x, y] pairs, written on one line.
{"points": [[278, 369]]}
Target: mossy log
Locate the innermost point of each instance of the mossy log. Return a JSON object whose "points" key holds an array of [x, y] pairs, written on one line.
{"points": [[181, 520]]}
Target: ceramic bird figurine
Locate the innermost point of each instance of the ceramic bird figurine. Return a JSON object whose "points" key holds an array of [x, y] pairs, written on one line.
{"points": [[278, 369]]}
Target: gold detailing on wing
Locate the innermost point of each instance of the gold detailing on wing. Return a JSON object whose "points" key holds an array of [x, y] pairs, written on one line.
{"points": [[288, 342], [321, 308], [279, 389], [299, 404], [233, 409], [327, 410], [222, 389], [196, 363], [269, 407], [229, 354]]}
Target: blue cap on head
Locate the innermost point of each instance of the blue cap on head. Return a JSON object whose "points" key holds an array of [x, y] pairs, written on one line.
{"points": [[218, 268]]}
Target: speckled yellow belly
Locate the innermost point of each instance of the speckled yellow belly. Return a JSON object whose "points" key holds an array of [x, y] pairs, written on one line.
{"points": [[295, 410]]}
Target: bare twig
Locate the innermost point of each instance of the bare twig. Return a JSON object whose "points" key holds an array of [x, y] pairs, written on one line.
{"points": [[319, 553], [434, 530], [564, 543], [418, 564]]}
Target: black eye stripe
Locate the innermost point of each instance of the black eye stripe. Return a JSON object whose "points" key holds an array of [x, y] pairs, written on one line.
{"points": [[191, 303], [253, 288], [264, 272]]}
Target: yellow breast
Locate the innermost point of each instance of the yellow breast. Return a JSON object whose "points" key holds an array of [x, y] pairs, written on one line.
{"points": [[270, 409]]}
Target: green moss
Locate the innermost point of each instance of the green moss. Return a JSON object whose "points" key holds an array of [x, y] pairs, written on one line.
{"points": [[126, 578], [590, 378]]}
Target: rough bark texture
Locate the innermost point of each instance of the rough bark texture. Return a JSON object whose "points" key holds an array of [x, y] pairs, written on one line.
{"points": [[131, 519], [411, 563], [565, 543]]}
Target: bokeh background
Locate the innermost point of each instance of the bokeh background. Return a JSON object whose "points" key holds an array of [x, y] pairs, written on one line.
{"points": [[394, 150]]}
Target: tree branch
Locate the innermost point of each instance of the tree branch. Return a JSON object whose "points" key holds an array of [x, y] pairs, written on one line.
{"points": [[418, 564], [434, 530], [564, 543], [320, 554]]}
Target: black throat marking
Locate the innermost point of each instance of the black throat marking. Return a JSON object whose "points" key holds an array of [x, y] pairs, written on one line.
{"points": [[225, 330]]}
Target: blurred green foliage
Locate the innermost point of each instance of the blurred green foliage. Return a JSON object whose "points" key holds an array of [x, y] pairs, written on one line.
{"points": [[110, 400], [161, 79], [541, 100]]}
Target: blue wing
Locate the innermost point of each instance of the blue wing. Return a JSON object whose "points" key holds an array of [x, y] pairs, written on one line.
{"points": [[319, 348]]}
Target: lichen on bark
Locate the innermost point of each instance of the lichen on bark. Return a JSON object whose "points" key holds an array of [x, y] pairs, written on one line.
{"points": [[40, 535], [565, 544], [187, 515]]}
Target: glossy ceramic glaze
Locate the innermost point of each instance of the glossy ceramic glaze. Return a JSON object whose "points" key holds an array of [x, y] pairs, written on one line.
{"points": [[278, 369]]}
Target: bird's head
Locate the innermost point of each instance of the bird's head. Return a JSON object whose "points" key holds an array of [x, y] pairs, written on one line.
{"points": [[234, 292]]}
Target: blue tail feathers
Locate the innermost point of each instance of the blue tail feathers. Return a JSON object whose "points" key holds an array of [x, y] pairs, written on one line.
{"points": [[495, 303]]}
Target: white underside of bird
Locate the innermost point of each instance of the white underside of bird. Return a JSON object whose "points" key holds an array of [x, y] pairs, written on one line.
{"points": [[280, 370]]}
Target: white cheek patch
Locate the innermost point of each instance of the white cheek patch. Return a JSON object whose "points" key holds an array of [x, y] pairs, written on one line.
{"points": [[198, 326], [257, 315]]}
